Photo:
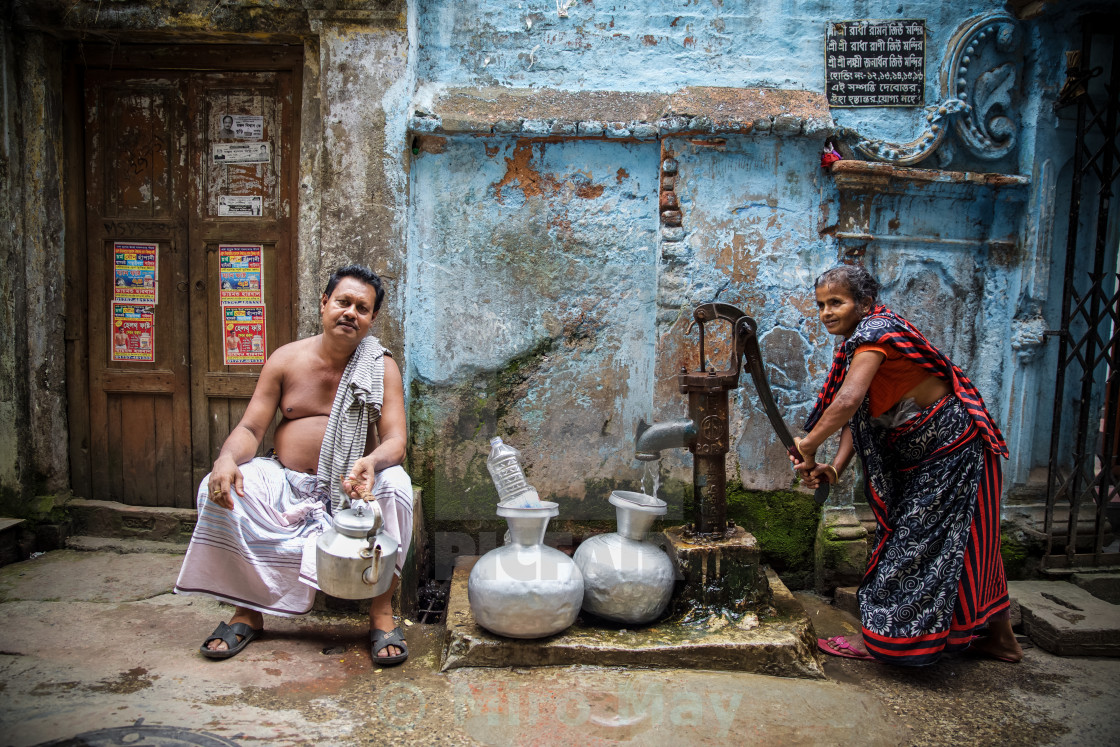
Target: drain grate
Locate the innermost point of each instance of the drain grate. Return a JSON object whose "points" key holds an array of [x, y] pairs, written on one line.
{"points": [[432, 600]]}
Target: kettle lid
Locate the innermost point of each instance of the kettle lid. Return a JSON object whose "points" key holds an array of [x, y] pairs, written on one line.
{"points": [[359, 520]]}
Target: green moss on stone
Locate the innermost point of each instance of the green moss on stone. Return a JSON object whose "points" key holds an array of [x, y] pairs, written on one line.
{"points": [[45, 508], [785, 524], [450, 428], [1015, 556], [833, 552]]}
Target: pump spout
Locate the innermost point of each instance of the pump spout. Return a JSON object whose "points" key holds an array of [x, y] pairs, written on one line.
{"points": [[651, 439]]}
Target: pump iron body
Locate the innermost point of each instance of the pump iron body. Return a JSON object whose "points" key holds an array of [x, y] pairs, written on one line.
{"points": [[706, 432]]}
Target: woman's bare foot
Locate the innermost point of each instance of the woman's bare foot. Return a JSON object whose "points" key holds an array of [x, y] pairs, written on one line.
{"points": [[989, 646], [252, 618], [856, 642], [1000, 643]]}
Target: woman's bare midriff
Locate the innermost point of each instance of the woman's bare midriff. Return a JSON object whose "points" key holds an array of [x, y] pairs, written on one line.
{"points": [[928, 391], [298, 442]]}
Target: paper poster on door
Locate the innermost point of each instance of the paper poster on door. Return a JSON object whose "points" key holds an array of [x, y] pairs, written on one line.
{"points": [[240, 278], [241, 206], [135, 269], [244, 343], [241, 152], [134, 333], [241, 126]]}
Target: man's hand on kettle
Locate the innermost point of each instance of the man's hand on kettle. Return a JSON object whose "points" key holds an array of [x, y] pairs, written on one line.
{"points": [[359, 483]]}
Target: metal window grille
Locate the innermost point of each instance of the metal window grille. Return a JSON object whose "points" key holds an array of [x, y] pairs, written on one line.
{"points": [[1084, 468]]}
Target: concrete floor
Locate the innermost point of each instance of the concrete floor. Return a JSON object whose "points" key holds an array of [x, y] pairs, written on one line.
{"points": [[94, 642]]}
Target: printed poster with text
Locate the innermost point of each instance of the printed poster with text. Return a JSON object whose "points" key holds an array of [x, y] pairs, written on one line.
{"points": [[134, 332], [239, 275], [135, 272], [244, 343]]}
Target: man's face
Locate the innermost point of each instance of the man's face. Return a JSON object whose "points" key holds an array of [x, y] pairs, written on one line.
{"points": [[348, 311]]}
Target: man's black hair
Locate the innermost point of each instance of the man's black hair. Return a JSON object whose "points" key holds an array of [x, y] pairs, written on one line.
{"points": [[857, 280], [358, 272]]}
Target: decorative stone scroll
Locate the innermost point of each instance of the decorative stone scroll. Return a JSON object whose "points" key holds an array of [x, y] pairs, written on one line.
{"points": [[875, 63], [978, 78]]}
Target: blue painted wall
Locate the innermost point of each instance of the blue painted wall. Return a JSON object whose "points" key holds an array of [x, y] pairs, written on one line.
{"points": [[532, 274], [664, 45], [547, 303]]}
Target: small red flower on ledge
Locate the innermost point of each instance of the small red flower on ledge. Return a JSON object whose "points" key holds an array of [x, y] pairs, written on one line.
{"points": [[829, 155]]}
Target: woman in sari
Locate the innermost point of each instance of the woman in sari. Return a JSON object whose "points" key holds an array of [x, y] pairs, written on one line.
{"points": [[931, 461]]}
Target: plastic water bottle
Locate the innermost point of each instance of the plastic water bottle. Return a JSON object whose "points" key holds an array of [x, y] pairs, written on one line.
{"points": [[504, 464]]}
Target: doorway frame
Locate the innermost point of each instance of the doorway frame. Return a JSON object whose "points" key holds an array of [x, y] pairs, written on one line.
{"points": [[77, 58]]}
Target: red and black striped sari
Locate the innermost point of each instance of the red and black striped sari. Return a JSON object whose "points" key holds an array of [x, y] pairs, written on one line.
{"points": [[935, 575]]}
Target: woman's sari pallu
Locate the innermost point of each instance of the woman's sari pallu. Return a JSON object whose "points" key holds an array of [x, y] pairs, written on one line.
{"points": [[935, 575]]}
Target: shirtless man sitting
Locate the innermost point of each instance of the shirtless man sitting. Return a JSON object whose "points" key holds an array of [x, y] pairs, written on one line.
{"points": [[257, 516]]}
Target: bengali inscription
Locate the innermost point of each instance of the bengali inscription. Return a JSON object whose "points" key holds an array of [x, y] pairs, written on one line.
{"points": [[875, 63]]}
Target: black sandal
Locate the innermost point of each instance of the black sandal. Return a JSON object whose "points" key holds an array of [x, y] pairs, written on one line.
{"points": [[229, 634], [380, 640]]}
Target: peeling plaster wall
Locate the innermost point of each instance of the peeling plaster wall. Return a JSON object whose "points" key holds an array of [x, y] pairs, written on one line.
{"points": [[752, 240], [33, 455], [663, 45], [531, 281], [44, 270], [363, 95], [14, 413], [1051, 136], [759, 220]]}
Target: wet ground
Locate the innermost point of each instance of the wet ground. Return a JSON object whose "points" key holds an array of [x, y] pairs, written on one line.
{"points": [[94, 649]]}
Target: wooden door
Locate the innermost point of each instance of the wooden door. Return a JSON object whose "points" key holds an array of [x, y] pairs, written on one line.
{"points": [[155, 427], [220, 393], [136, 177]]}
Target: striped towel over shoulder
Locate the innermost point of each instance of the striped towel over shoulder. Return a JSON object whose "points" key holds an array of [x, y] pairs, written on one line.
{"points": [[357, 403]]}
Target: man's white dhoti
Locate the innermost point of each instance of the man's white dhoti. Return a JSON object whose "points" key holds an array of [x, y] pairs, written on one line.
{"points": [[251, 556]]}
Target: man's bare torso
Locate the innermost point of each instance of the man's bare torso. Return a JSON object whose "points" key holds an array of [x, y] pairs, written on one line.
{"points": [[307, 393]]}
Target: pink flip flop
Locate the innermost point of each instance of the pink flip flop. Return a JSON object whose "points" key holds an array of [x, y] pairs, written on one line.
{"points": [[839, 646]]}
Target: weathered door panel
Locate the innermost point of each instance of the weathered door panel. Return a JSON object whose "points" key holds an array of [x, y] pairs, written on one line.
{"points": [[136, 190], [220, 392], [155, 427]]}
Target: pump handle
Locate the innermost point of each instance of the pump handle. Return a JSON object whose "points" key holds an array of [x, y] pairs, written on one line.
{"points": [[752, 355]]}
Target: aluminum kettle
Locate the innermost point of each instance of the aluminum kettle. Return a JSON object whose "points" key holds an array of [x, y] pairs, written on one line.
{"points": [[354, 559]]}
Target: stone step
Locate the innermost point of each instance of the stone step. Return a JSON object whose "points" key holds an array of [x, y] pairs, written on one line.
{"points": [[10, 540], [123, 545], [111, 519], [1033, 516], [783, 645], [1104, 586], [845, 598], [1029, 516], [1067, 620]]}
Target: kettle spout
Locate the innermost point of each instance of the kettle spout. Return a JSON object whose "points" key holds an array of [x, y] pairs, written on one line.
{"points": [[651, 439], [372, 575]]}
